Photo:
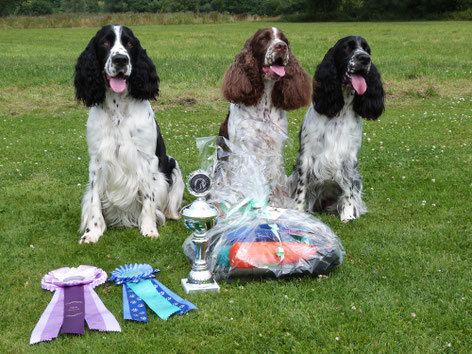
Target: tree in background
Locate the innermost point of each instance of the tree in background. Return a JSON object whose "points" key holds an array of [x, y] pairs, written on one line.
{"points": [[304, 9], [73, 5], [114, 6], [8, 7], [34, 8], [91, 6], [411, 9], [323, 6]]}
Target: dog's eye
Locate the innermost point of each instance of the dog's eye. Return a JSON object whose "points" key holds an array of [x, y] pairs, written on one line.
{"points": [[106, 44], [129, 44]]}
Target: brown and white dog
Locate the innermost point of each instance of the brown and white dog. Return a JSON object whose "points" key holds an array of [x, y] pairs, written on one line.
{"points": [[264, 81]]}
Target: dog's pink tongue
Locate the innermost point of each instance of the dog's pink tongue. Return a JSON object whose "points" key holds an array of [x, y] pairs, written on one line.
{"points": [[118, 85], [278, 69], [359, 84]]}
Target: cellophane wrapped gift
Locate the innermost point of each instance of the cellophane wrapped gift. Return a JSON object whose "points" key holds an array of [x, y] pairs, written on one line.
{"points": [[253, 238]]}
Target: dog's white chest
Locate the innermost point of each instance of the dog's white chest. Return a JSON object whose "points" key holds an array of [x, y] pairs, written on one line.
{"points": [[121, 131], [331, 141], [262, 128]]}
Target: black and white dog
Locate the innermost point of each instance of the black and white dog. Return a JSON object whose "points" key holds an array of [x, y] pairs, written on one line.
{"points": [[132, 181], [346, 87]]}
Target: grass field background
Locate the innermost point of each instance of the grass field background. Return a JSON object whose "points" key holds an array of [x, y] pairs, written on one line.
{"points": [[405, 284]]}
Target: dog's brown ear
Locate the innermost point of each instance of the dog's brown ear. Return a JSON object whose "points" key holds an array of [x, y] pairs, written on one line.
{"points": [[242, 82], [294, 89]]}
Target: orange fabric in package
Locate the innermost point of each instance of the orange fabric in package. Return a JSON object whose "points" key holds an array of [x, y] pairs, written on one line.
{"points": [[257, 254]]}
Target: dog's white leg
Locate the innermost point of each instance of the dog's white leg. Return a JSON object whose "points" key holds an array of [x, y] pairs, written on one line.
{"points": [[176, 194], [152, 200], [147, 218], [301, 175], [350, 204], [93, 224]]}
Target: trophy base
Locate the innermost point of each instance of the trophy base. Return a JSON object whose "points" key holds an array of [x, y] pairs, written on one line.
{"points": [[199, 288]]}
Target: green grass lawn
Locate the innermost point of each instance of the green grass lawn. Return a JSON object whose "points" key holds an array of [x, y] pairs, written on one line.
{"points": [[405, 284]]}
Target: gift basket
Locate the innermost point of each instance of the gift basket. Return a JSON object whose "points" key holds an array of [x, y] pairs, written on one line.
{"points": [[253, 238]]}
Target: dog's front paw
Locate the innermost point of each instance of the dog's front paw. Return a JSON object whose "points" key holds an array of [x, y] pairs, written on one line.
{"points": [[348, 211], [172, 215], [90, 236], [149, 229]]}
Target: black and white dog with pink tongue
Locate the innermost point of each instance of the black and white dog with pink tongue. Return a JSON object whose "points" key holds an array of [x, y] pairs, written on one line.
{"points": [[132, 180], [346, 88]]}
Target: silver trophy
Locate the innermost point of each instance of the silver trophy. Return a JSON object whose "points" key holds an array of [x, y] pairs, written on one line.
{"points": [[199, 217]]}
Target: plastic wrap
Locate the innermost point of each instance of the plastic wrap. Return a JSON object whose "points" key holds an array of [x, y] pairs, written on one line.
{"points": [[253, 238], [238, 173], [269, 242]]}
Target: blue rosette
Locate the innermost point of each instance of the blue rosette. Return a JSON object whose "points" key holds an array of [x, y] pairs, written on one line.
{"points": [[133, 273], [141, 289]]}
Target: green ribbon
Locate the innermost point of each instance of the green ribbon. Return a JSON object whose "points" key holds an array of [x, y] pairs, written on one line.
{"points": [[156, 302]]}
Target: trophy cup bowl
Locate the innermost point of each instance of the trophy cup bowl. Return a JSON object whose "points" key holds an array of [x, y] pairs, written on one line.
{"points": [[199, 217]]}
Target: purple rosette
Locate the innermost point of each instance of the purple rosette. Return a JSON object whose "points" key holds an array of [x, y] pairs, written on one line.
{"points": [[74, 302], [66, 276]]}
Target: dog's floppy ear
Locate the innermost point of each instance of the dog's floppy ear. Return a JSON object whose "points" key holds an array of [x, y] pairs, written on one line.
{"points": [[143, 81], [327, 92], [88, 78], [242, 82], [371, 105], [294, 89]]}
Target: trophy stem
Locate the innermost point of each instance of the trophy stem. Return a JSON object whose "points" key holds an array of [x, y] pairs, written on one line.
{"points": [[200, 278], [200, 273]]}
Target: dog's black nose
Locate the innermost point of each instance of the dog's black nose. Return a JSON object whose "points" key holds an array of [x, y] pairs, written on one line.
{"points": [[363, 58], [120, 60]]}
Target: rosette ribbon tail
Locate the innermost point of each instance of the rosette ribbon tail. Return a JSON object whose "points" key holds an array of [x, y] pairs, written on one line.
{"points": [[98, 317], [74, 310], [184, 305], [133, 306], [50, 323], [147, 292]]}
